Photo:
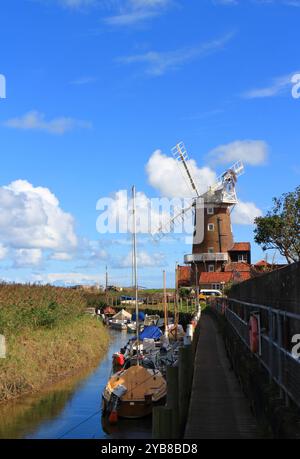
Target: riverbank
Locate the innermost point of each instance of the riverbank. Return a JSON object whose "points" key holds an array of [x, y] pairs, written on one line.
{"points": [[48, 337]]}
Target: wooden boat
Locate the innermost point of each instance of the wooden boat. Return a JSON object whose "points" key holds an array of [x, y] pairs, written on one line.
{"points": [[132, 393]]}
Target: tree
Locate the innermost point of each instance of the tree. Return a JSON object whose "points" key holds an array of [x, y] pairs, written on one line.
{"points": [[280, 228]]}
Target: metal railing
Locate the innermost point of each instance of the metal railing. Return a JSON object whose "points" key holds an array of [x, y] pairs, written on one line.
{"points": [[277, 328]]}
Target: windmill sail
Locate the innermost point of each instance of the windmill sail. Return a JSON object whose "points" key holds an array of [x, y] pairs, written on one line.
{"points": [[181, 155]]}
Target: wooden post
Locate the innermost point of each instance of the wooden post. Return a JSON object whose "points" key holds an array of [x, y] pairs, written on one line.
{"points": [[156, 423], [172, 399], [162, 423], [185, 384]]}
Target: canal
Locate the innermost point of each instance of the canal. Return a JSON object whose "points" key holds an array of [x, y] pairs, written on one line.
{"points": [[71, 409]]}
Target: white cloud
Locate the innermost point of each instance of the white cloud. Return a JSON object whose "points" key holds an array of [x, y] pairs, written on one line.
{"points": [[72, 278], [3, 252], [61, 256], [35, 120], [253, 152], [225, 2], [245, 213], [135, 11], [31, 221], [116, 215], [28, 258], [83, 81], [77, 4], [295, 3], [158, 63], [278, 86], [164, 175], [144, 260]]}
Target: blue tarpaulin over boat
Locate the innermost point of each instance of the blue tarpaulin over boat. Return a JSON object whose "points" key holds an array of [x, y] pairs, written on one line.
{"points": [[141, 317], [151, 332]]}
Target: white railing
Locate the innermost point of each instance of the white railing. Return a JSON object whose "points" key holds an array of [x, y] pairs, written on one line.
{"points": [[201, 257]]}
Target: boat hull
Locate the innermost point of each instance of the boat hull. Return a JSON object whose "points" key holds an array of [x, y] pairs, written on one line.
{"points": [[134, 410], [118, 326]]}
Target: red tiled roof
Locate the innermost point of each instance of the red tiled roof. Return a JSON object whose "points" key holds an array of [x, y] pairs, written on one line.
{"points": [[240, 267], [262, 263], [241, 247], [219, 277]]}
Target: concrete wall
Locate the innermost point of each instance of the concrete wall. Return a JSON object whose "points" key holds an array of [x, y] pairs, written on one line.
{"points": [[278, 289]]}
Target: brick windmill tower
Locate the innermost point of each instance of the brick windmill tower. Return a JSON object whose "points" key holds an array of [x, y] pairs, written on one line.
{"points": [[215, 248]]}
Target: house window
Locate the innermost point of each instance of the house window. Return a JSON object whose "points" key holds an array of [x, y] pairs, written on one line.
{"points": [[211, 250], [211, 227], [216, 286], [211, 268], [242, 258], [210, 211]]}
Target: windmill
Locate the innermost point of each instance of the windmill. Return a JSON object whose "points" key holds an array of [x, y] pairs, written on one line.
{"points": [[211, 253]]}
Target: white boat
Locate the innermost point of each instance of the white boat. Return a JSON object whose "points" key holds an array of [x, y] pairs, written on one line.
{"points": [[120, 320]]}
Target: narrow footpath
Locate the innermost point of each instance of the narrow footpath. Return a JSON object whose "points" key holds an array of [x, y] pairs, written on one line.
{"points": [[218, 409]]}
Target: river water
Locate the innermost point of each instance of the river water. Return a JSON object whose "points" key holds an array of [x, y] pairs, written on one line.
{"points": [[70, 410]]}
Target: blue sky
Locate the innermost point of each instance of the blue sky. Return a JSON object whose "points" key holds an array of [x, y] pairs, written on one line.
{"points": [[94, 88]]}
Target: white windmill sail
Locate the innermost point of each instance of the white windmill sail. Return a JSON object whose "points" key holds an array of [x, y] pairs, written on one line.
{"points": [[224, 190]]}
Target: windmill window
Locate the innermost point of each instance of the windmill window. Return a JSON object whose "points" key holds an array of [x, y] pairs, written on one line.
{"points": [[211, 227], [210, 211]]}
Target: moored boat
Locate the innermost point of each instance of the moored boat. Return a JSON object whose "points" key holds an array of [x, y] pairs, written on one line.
{"points": [[132, 393], [118, 324], [120, 320]]}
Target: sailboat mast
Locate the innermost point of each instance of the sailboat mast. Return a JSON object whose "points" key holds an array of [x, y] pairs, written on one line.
{"points": [[165, 304], [135, 273]]}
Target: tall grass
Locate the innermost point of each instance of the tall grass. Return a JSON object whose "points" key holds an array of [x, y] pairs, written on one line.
{"points": [[34, 307], [48, 337]]}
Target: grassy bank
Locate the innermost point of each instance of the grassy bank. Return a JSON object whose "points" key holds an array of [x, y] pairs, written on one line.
{"points": [[48, 337]]}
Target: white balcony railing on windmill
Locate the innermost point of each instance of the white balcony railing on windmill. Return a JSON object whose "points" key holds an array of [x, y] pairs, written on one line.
{"points": [[203, 257]]}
